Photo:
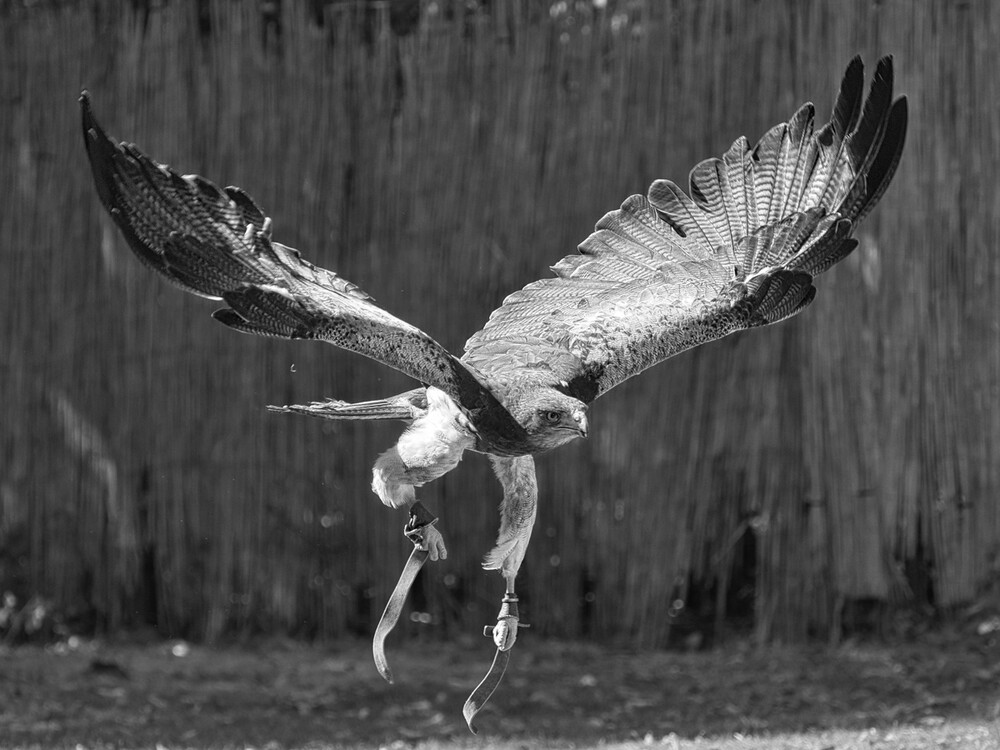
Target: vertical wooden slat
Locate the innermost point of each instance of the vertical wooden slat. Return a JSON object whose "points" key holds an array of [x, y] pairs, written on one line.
{"points": [[440, 171]]}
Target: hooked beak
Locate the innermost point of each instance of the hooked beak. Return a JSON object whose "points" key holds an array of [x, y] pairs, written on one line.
{"points": [[581, 423]]}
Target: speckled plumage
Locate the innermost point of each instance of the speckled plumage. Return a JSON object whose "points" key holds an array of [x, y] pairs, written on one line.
{"points": [[665, 272], [669, 272]]}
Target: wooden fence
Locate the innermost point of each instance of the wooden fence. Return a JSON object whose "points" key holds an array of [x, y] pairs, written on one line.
{"points": [[441, 156]]}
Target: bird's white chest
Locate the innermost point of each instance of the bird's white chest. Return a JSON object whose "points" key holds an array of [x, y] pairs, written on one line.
{"points": [[433, 445]]}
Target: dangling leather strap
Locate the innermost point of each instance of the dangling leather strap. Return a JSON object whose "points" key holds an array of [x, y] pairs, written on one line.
{"points": [[504, 634], [420, 519], [485, 689]]}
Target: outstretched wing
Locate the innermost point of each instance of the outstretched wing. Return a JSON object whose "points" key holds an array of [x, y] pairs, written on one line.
{"points": [[216, 243], [668, 272]]}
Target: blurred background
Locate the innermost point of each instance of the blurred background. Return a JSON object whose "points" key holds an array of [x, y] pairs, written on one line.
{"points": [[832, 475]]}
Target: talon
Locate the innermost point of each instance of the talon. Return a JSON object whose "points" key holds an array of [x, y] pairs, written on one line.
{"points": [[421, 531], [504, 633]]}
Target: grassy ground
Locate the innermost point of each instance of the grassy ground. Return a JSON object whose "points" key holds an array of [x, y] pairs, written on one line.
{"points": [[941, 692]]}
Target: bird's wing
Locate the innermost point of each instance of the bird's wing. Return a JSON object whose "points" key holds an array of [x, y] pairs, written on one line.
{"points": [[216, 243], [667, 272]]}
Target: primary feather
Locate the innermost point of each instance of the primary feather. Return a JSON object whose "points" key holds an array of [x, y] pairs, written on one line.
{"points": [[217, 243], [661, 274], [671, 271]]}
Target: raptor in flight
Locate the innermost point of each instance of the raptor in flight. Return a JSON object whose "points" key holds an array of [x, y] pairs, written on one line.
{"points": [[665, 272]]}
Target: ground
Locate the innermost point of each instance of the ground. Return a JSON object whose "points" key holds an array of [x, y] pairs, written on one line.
{"points": [[943, 691]]}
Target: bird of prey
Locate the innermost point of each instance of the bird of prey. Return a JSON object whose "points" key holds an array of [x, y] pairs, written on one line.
{"points": [[665, 272]]}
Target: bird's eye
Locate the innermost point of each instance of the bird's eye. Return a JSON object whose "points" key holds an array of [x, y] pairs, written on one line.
{"points": [[552, 417]]}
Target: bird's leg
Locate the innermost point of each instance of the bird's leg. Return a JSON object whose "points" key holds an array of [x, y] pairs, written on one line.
{"points": [[517, 518], [429, 448], [392, 482], [504, 633]]}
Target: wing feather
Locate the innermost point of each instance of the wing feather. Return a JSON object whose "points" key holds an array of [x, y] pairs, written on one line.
{"points": [[832, 135], [765, 158], [217, 243], [682, 214], [708, 187], [668, 272], [740, 178], [790, 156]]}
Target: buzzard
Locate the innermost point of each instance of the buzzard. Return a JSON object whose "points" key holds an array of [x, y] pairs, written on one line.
{"points": [[665, 272]]}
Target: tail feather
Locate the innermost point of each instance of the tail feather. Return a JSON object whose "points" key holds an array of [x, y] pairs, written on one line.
{"points": [[405, 406]]}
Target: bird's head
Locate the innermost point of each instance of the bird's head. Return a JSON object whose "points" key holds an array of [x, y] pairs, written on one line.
{"points": [[551, 418]]}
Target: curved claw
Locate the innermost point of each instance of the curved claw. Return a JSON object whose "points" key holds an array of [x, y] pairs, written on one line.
{"points": [[479, 697], [431, 539], [504, 633]]}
